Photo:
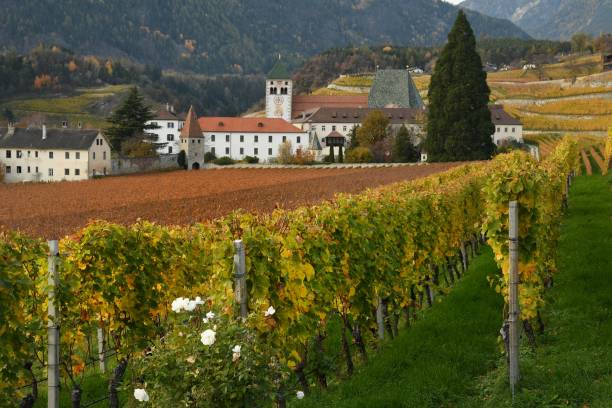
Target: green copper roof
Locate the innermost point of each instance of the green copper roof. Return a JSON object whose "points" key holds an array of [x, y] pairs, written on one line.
{"points": [[279, 71], [394, 88]]}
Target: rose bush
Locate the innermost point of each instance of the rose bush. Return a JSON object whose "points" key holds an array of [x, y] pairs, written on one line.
{"points": [[208, 360]]}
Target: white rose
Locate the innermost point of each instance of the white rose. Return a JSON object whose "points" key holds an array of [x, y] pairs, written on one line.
{"points": [[270, 311], [210, 315], [178, 304], [190, 306], [208, 337], [299, 394], [205, 320], [141, 395]]}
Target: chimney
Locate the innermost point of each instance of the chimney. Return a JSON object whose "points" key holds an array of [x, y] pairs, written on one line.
{"points": [[11, 129], [172, 109], [44, 132], [167, 107]]}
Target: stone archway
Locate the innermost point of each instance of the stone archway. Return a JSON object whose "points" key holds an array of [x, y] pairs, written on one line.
{"points": [[195, 166]]}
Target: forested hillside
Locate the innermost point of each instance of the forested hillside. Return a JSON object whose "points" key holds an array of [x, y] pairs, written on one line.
{"points": [[229, 36], [553, 19]]}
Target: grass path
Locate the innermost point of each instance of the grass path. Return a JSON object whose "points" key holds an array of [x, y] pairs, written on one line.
{"points": [[434, 362], [572, 364]]}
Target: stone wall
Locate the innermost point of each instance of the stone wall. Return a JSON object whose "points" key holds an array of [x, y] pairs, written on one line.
{"points": [[129, 165]]}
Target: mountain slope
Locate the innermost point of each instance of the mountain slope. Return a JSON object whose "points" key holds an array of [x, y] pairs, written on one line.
{"points": [[221, 36], [553, 19]]}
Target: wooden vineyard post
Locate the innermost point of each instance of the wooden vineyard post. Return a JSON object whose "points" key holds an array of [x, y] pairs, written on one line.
{"points": [[380, 319], [240, 291], [513, 301], [53, 329], [101, 350]]}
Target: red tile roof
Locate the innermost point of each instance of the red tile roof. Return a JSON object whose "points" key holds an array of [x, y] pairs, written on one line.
{"points": [[303, 103], [192, 127], [247, 125]]}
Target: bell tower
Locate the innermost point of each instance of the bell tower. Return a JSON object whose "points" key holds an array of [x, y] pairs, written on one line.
{"points": [[279, 93]]}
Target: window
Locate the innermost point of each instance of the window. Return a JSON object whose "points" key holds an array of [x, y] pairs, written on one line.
{"points": [[242, 150], [212, 150], [298, 139], [67, 155], [344, 128], [506, 130], [18, 154], [314, 127], [212, 138], [8, 154], [29, 169], [154, 124], [169, 150], [323, 128], [192, 141], [77, 172], [36, 154], [256, 151], [51, 155], [103, 155], [227, 138], [170, 138], [241, 138], [256, 139], [50, 172], [36, 169], [284, 139], [18, 169], [498, 129], [78, 155], [170, 125], [227, 150], [8, 169], [269, 139], [512, 130], [94, 155], [29, 153], [333, 128], [270, 151], [101, 142], [66, 172], [199, 141]]}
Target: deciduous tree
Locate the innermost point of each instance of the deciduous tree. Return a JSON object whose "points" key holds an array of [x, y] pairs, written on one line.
{"points": [[373, 129]]}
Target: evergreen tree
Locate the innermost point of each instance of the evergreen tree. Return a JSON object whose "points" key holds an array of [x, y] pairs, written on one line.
{"points": [[354, 141], [404, 150], [8, 115], [459, 123], [128, 121]]}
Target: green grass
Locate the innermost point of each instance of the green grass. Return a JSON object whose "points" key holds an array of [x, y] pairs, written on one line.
{"points": [[572, 364], [433, 363]]}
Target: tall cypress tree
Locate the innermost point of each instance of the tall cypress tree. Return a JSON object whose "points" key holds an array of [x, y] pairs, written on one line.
{"points": [[459, 123]]}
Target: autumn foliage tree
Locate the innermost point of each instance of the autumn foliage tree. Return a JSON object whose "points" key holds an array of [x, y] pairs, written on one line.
{"points": [[373, 129]]}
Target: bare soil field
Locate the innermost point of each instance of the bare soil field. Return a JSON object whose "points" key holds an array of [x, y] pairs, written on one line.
{"points": [[54, 210]]}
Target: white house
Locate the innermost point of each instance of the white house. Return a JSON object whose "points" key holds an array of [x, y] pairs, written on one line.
{"points": [[255, 137], [41, 154], [168, 133], [507, 128]]}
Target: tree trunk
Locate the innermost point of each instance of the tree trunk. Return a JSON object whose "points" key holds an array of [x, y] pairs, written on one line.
{"points": [[540, 324], [321, 378], [281, 401], [464, 260], [115, 381], [356, 332], [346, 347], [530, 333], [299, 372], [449, 268]]}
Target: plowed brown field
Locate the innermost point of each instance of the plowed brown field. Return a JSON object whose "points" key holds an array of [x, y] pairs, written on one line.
{"points": [[57, 209]]}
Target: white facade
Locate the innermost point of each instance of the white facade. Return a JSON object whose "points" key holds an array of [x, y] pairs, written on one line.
{"points": [[169, 132], [238, 145], [508, 133], [48, 165], [279, 98]]}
